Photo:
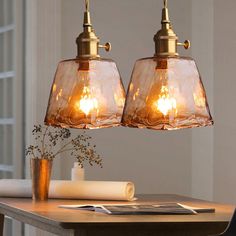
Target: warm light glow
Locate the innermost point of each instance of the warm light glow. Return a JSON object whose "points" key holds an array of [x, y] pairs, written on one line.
{"points": [[136, 94], [166, 94], [199, 100], [120, 101], [59, 95], [86, 104], [86, 94], [54, 88], [165, 103]]}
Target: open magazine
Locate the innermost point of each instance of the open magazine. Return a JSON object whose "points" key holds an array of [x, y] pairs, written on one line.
{"points": [[139, 209]]}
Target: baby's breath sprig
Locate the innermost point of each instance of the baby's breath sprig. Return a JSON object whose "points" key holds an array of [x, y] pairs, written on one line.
{"points": [[52, 141]]}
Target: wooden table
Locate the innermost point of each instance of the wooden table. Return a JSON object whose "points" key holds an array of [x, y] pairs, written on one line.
{"points": [[47, 216]]}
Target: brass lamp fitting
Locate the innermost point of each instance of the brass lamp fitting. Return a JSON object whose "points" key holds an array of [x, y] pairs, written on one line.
{"points": [[87, 42], [166, 41]]}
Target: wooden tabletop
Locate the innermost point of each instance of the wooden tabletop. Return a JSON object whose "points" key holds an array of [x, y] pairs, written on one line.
{"points": [[49, 216]]}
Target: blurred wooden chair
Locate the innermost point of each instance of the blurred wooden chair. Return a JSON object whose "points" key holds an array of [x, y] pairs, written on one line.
{"points": [[231, 229]]}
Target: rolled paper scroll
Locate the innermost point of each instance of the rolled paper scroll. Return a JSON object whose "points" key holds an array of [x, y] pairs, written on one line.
{"points": [[60, 189]]}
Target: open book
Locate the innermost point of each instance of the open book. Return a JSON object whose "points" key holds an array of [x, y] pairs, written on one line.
{"points": [[138, 209]]}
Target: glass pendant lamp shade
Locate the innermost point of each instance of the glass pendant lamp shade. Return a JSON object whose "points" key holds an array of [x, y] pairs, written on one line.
{"points": [[86, 94], [166, 91], [166, 94], [87, 91]]}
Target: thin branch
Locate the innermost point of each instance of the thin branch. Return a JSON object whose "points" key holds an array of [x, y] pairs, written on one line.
{"points": [[33, 153], [65, 150], [63, 147], [43, 140]]}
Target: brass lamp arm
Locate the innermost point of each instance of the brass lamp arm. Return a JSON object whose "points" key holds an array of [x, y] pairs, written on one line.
{"points": [[106, 46], [87, 5], [166, 41], [186, 44], [165, 3], [88, 42]]}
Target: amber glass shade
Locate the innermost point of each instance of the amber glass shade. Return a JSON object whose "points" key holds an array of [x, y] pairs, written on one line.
{"points": [[86, 94], [166, 94]]}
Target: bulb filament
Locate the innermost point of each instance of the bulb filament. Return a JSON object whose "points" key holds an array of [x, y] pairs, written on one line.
{"points": [[87, 103], [165, 103]]}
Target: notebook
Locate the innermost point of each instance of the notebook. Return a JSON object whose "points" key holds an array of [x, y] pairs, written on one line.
{"points": [[140, 209]]}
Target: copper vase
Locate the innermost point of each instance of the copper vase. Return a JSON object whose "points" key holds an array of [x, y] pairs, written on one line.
{"points": [[40, 174]]}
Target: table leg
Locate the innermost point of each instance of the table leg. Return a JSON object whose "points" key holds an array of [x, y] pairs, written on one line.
{"points": [[76, 233], [1, 224]]}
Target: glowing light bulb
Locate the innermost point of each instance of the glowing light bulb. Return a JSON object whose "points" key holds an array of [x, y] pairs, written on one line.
{"points": [[86, 94], [166, 94], [165, 103], [86, 104]]}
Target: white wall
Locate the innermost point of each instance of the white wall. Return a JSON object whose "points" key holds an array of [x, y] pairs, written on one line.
{"points": [[196, 162], [213, 150], [43, 50], [199, 162], [202, 139], [225, 100], [157, 162]]}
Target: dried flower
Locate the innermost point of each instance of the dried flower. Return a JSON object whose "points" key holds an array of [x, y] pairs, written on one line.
{"points": [[48, 146]]}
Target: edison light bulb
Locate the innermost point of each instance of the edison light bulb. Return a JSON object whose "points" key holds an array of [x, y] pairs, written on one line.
{"points": [[85, 100], [165, 103], [166, 94], [162, 97], [86, 104], [86, 94]]}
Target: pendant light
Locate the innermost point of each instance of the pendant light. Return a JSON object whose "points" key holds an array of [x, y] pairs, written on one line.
{"points": [[166, 91], [87, 91]]}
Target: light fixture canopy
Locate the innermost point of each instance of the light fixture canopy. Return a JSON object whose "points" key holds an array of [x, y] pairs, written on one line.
{"points": [[87, 91], [166, 91]]}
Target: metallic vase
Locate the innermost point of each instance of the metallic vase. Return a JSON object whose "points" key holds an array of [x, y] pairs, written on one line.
{"points": [[40, 174]]}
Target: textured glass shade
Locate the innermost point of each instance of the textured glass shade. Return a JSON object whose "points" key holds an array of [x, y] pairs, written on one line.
{"points": [[86, 94], [166, 94]]}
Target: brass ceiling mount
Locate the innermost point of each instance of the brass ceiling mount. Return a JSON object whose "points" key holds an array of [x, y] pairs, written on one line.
{"points": [[87, 42], [166, 41]]}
